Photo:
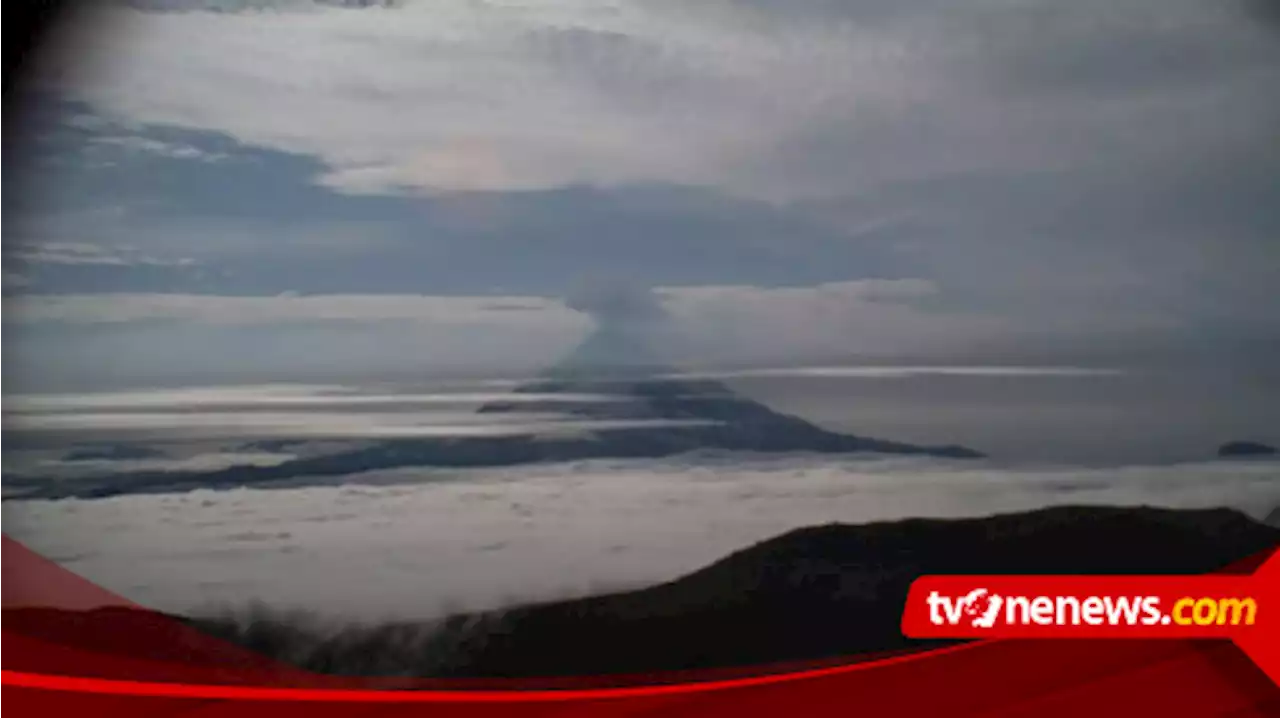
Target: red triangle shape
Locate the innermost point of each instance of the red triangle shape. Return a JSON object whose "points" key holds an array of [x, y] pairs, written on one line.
{"points": [[31, 580]]}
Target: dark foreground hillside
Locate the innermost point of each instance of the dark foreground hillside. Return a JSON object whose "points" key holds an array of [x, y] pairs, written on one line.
{"points": [[814, 593]]}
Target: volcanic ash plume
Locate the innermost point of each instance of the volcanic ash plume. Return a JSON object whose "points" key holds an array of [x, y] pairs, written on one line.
{"points": [[633, 332]]}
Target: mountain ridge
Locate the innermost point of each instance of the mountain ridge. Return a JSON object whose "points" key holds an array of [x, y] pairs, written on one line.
{"points": [[684, 415], [813, 593]]}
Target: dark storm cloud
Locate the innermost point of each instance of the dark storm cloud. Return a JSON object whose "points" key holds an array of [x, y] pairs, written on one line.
{"points": [[1127, 53], [251, 220], [1266, 12]]}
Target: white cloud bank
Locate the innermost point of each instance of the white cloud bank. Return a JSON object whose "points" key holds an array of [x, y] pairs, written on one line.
{"points": [[705, 328], [84, 253], [172, 150], [485, 538]]}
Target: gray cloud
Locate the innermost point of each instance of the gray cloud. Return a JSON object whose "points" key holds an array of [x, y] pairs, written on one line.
{"points": [[1094, 180], [669, 93], [62, 339], [234, 6], [615, 301]]}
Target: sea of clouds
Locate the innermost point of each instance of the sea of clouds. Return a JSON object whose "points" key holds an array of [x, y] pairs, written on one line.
{"points": [[417, 543]]}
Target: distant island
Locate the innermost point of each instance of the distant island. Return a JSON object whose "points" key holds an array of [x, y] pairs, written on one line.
{"points": [[1246, 448], [650, 412]]}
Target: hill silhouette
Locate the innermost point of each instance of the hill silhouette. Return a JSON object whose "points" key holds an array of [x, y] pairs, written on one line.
{"points": [[810, 594], [1246, 448]]}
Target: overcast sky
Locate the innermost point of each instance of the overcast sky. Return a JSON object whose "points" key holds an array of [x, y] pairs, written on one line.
{"points": [[257, 189]]}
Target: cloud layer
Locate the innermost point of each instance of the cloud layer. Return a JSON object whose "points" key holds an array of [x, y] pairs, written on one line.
{"points": [[358, 336], [1083, 183], [500, 537], [770, 99]]}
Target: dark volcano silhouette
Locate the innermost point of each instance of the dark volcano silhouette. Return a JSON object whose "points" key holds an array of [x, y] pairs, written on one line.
{"points": [[704, 414], [661, 415]]}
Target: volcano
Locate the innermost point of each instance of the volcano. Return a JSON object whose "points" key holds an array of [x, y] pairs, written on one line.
{"points": [[650, 411], [676, 414]]}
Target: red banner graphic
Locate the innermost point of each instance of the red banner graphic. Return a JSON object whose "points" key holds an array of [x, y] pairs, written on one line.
{"points": [[138, 662]]}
